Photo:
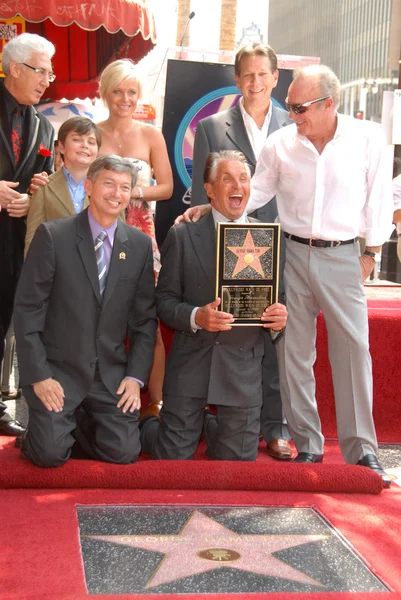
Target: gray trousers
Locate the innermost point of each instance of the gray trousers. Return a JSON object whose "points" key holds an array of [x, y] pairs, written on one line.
{"points": [[111, 435], [327, 279], [232, 435]]}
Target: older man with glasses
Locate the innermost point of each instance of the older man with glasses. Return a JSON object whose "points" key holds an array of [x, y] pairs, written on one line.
{"points": [[26, 149]]}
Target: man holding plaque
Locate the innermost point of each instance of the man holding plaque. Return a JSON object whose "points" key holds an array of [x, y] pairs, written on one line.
{"points": [[245, 127], [210, 361]]}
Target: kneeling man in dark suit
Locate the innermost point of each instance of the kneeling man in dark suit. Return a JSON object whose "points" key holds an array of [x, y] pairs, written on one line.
{"points": [[210, 361], [87, 281]]}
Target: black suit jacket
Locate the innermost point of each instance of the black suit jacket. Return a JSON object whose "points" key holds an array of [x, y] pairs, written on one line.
{"points": [[226, 131], [224, 367], [40, 132], [63, 326]]}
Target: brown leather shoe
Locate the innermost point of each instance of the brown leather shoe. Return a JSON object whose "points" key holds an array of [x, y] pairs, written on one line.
{"points": [[279, 449], [152, 410]]}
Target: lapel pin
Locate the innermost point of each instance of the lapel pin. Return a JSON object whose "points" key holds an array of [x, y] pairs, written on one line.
{"points": [[122, 256]]}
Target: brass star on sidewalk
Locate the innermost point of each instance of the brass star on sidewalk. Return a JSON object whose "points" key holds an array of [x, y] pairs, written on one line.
{"points": [[205, 545], [248, 255]]}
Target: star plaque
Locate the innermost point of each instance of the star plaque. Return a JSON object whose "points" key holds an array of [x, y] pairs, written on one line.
{"points": [[244, 550], [247, 274]]}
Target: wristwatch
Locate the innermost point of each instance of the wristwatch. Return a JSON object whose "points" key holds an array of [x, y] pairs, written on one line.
{"points": [[369, 253]]}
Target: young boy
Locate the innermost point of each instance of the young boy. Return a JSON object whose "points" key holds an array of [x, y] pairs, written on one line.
{"points": [[63, 194]]}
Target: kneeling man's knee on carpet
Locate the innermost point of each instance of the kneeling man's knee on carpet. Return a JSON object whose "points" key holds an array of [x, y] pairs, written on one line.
{"points": [[46, 455]]}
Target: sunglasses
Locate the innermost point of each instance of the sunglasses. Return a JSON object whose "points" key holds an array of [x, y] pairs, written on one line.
{"points": [[298, 109]]}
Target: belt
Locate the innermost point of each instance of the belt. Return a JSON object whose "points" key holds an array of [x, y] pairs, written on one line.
{"points": [[315, 243]]}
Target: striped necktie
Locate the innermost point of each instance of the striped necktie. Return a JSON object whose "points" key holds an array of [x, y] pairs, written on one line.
{"points": [[101, 260]]}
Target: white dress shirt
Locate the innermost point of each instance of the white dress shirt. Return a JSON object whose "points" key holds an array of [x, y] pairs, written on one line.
{"points": [[339, 194], [397, 197], [256, 136]]}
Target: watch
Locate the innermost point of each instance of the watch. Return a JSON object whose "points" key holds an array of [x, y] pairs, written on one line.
{"points": [[369, 253]]}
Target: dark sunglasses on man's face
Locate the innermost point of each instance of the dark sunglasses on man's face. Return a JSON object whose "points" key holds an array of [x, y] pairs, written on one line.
{"points": [[299, 109]]}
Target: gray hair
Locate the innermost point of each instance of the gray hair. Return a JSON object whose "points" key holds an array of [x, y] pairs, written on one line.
{"points": [[112, 162], [23, 46], [326, 78], [213, 160]]}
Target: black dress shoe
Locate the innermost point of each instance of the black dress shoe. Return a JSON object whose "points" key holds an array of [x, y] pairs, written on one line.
{"points": [[370, 461], [12, 428], [307, 457]]}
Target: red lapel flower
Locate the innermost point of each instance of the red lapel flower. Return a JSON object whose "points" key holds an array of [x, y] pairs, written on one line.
{"points": [[44, 151]]}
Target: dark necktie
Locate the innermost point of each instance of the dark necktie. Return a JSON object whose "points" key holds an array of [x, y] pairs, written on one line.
{"points": [[16, 134], [101, 260]]}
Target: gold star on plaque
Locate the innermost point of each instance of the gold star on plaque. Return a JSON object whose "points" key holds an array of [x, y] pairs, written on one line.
{"points": [[249, 255]]}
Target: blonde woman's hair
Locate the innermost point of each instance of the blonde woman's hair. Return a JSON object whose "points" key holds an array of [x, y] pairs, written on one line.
{"points": [[114, 74]]}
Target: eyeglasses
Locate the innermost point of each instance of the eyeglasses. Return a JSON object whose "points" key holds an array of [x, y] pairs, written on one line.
{"points": [[41, 72], [298, 109]]}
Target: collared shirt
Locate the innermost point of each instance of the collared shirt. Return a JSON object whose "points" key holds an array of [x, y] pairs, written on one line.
{"points": [[339, 194], [11, 105], [256, 136], [218, 218], [77, 190]]}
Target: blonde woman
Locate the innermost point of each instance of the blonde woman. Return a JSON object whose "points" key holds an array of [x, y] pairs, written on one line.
{"points": [[120, 90]]}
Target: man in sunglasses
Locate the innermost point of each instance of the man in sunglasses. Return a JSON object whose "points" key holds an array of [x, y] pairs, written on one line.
{"points": [[26, 146], [332, 183]]}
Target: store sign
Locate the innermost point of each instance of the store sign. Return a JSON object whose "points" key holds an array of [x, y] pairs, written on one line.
{"points": [[9, 28]]}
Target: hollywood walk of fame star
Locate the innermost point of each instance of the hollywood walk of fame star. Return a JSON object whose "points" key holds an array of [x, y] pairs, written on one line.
{"points": [[248, 255], [205, 545]]}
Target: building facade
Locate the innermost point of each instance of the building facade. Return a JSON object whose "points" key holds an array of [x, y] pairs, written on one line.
{"points": [[358, 39]]}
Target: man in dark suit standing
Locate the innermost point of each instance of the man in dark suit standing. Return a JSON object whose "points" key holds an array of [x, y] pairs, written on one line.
{"points": [[246, 127], [26, 147], [210, 362], [86, 281]]}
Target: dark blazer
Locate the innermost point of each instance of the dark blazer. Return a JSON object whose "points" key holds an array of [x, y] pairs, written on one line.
{"points": [[62, 325], [226, 131], [12, 230], [218, 366]]}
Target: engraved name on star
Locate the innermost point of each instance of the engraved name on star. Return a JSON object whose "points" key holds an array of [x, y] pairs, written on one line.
{"points": [[248, 255], [205, 545]]}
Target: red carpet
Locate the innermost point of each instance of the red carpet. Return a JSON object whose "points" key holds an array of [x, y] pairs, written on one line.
{"points": [[41, 560], [384, 306], [266, 474]]}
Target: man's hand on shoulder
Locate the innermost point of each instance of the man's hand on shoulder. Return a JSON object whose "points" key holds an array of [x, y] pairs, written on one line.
{"points": [[50, 393], [38, 180], [129, 391], [193, 214], [7, 193], [275, 317], [211, 319], [20, 206]]}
